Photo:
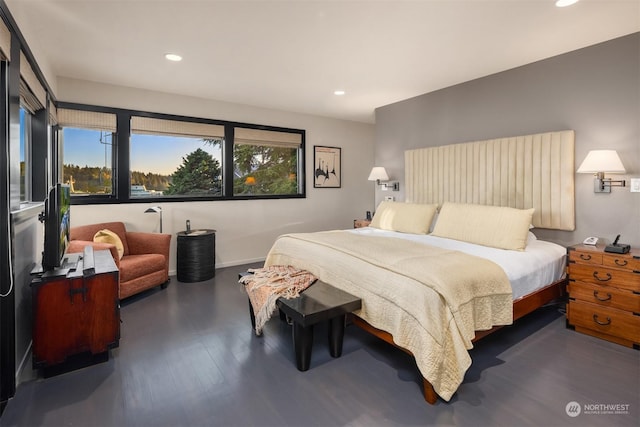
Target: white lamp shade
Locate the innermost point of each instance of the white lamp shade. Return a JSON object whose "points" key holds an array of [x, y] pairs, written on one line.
{"points": [[378, 173], [602, 161]]}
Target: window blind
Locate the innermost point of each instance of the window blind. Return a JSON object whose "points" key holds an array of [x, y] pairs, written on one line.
{"points": [[53, 114], [32, 92], [86, 119], [28, 100], [5, 42], [267, 137], [152, 126]]}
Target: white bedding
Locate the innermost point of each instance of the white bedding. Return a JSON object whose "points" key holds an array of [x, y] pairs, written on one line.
{"points": [[431, 300], [540, 264], [388, 276]]}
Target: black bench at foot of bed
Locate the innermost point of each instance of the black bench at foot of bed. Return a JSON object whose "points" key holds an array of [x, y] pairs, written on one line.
{"points": [[318, 303]]}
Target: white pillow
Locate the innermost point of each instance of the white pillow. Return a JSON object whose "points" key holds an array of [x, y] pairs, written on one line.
{"points": [[494, 226], [404, 217]]}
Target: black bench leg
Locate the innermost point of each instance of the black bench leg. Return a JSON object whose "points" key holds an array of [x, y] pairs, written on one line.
{"points": [[336, 335], [302, 344]]}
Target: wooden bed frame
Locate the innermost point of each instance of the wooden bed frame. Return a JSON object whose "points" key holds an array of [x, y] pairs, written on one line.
{"points": [[521, 307]]}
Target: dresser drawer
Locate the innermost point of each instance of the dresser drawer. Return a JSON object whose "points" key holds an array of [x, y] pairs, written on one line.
{"points": [[624, 262], [605, 276], [606, 296], [594, 258], [605, 320]]}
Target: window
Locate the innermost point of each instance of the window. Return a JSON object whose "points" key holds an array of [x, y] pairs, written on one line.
{"points": [[87, 140], [114, 155], [266, 162], [25, 144], [173, 158], [33, 98]]}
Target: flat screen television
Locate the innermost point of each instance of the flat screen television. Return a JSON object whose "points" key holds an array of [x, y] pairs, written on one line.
{"points": [[56, 227]]}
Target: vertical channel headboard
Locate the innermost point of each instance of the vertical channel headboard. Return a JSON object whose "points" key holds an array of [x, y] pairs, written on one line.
{"points": [[531, 171]]}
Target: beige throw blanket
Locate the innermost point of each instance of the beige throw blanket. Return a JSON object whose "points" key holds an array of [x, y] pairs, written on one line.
{"points": [[265, 285], [430, 300]]}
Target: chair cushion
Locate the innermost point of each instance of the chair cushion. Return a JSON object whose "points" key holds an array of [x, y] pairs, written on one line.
{"points": [[134, 266], [108, 236]]}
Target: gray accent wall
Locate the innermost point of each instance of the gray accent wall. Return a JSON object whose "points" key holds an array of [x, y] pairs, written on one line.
{"points": [[594, 91]]}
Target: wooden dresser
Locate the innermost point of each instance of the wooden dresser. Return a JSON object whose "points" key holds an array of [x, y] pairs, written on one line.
{"points": [[77, 312], [604, 294]]}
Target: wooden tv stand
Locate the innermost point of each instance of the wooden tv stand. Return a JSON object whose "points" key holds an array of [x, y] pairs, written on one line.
{"points": [[76, 312]]}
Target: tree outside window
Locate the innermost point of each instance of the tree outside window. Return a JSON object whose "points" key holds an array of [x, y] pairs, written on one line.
{"points": [[199, 174], [266, 162]]}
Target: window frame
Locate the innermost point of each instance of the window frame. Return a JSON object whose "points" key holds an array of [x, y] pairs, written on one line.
{"points": [[121, 159]]}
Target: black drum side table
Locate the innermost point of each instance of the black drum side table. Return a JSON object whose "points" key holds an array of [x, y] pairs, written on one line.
{"points": [[196, 255]]}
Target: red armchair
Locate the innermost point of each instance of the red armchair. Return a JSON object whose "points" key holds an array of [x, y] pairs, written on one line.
{"points": [[145, 262]]}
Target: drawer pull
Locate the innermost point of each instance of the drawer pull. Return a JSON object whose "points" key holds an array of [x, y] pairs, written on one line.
{"points": [[621, 264], [595, 319], [585, 257], [595, 294], [595, 274]]}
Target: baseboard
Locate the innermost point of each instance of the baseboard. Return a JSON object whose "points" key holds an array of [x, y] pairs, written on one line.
{"points": [[228, 264], [239, 262]]}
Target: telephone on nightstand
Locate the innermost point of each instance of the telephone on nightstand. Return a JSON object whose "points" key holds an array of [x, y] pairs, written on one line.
{"points": [[590, 241], [618, 248]]}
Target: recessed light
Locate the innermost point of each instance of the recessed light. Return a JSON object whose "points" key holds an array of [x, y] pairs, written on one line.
{"points": [[564, 3], [339, 92], [173, 57]]}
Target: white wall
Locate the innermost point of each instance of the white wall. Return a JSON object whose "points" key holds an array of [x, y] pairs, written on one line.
{"points": [[246, 229]]}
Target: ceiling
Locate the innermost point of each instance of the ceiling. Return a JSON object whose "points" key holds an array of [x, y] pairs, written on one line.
{"points": [[293, 55]]}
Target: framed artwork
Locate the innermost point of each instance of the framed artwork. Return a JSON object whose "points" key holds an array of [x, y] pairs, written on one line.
{"points": [[326, 167]]}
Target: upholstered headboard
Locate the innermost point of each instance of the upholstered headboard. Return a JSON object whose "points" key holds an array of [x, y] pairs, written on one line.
{"points": [[521, 172]]}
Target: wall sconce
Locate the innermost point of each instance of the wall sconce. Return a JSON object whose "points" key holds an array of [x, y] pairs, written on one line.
{"points": [[379, 175], [156, 209], [600, 162]]}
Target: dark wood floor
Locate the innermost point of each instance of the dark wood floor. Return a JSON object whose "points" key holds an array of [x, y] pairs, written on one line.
{"points": [[188, 357]]}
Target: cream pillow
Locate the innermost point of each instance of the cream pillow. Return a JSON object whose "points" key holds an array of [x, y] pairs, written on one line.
{"points": [[404, 217], [494, 226], [108, 236]]}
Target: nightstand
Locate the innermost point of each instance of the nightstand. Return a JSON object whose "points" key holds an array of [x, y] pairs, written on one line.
{"points": [[196, 255], [604, 294], [359, 223]]}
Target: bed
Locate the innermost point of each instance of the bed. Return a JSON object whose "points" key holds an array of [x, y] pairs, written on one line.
{"points": [[432, 290]]}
